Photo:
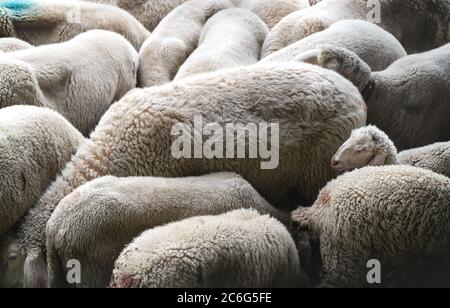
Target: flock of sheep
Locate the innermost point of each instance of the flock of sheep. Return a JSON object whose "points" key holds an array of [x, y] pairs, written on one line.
{"points": [[89, 94]]}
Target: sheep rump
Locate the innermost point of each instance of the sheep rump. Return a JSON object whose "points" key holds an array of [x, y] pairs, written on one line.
{"points": [[97, 220], [239, 249], [395, 214]]}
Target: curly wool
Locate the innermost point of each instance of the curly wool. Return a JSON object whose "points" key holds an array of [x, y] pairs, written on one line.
{"points": [[316, 110], [63, 82], [395, 214], [35, 144], [434, 157], [97, 220], [59, 21], [230, 38], [418, 25], [239, 249]]}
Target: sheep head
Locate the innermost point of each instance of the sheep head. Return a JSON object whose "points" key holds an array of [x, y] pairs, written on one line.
{"points": [[340, 60], [367, 146], [12, 261]]}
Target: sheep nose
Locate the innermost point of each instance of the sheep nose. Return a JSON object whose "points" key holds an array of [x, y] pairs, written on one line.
{"points": [[334, 162]]}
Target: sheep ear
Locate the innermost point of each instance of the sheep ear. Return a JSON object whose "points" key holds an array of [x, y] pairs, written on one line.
{"points": [[311, 57], [35, 271]]}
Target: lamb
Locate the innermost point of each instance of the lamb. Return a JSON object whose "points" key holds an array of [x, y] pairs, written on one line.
{"points": [[396, 99], [13, 44], [35, 144], [272, 11], [418, 25], [307, 112], [239, 249], [122, 208], [174, 39], [371, 146], [398, 215], [41, 22], [148, 12], [231, 38], [64, 81], [372, 44]]}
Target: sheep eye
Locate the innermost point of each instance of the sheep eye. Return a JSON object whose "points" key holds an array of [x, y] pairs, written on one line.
{"points": [[12, 257]]}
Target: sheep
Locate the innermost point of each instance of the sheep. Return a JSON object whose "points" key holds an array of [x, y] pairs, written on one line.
{"points": [[272, 11], [13, 44], [305, 111], [35, 144], [122, 208], [408, 100], [398, 215], [174, 39], [238, 249], [64, 81], [371, 146], [231, 38], [41, 22], [148, 12], [376, 47], [418, 25]]}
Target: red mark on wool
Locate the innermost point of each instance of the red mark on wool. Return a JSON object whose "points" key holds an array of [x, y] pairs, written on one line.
{"points": [[324, 198]]}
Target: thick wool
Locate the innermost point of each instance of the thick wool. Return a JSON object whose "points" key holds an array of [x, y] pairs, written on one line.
{"points": [[316, 110], [96, 221], [419, 25], [148, 12], [59, 21], [434, 157], [239, 249], [175, 38], [398, 215], [395, 97], [80, 78], [13, 44], [231, 38], [35, 144], [377, 47], [272, 11]]}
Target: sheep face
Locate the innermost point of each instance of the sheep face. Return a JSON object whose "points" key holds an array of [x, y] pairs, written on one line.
{"points": [[12, 261], [355, 153]]}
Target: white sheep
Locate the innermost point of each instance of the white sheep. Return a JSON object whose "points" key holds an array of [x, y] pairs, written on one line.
{"points": [[95, 222], [231, 38], [369, 146], [377, 47], [304, 112], [408, 100], [174, 39], [80, 80], [271, 11], [239, 249], [35, 144], [397, 215], [419, 25], [12, 44], [148, 12], [56, 21]]}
